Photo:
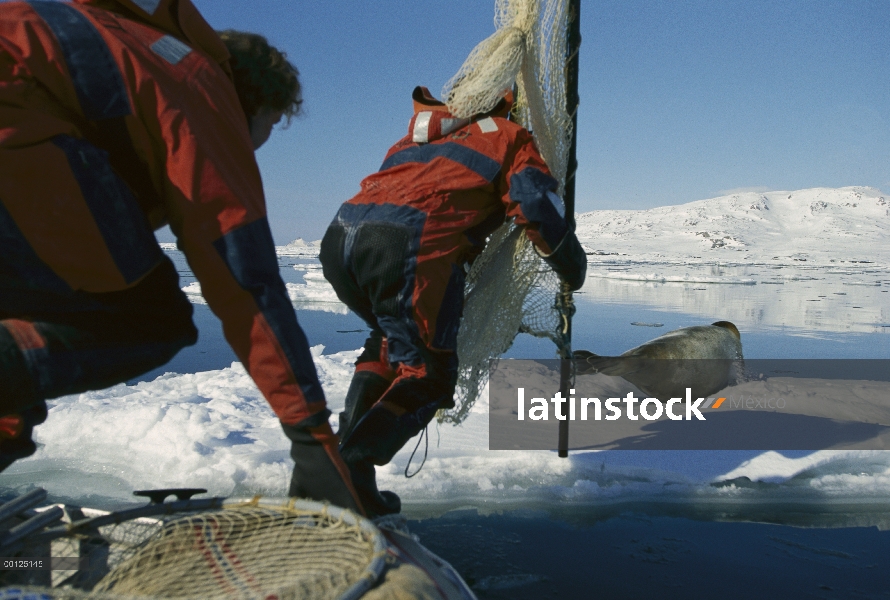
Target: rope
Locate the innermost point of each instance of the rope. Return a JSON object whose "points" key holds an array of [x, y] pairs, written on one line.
{"points": [[423, 436]]}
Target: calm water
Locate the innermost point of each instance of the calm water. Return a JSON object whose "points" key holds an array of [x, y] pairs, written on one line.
{"points": [[788, 313]]}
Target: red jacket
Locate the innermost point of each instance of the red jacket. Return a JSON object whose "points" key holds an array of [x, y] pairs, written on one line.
{"points": [[467, 177], [456, 181], [153, 89]]}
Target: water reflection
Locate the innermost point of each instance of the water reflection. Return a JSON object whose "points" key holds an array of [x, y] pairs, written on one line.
{"points": [[754, 297]]}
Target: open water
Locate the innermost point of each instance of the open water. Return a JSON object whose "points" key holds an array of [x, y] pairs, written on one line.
{"points": [[641, 551]]}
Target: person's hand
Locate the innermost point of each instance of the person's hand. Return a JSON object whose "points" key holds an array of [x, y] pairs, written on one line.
{"points": [[569, 261], [319, 472]]}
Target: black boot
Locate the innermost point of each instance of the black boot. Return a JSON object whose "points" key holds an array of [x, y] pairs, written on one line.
{"points": [[374, 441], [377, 503], [377, 437], [365, 390]]}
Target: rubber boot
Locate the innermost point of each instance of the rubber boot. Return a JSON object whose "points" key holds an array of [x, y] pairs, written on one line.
{"points": [[376, 502], [365, 390], [374, 441]]}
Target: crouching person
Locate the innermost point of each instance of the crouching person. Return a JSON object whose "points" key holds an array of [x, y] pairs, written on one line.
{"points": [[142, 115]]}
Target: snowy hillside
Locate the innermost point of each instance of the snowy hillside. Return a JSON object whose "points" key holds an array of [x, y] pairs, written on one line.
{"points": [[824, 226]]}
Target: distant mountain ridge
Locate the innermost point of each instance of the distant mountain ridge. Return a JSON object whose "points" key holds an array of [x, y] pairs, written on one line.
{"points": [[818, 225], [299, 247], [850, 224]]}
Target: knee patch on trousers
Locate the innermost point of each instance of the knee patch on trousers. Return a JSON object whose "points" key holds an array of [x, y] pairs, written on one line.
{"points": [[379, 257]]}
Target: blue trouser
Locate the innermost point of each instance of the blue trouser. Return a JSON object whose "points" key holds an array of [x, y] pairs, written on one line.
{"points": [[53, 344], [67, 344]]}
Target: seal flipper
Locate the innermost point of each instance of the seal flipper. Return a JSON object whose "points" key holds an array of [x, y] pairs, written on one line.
{"points": [[615, 366], [618, 366], [583, 364]]}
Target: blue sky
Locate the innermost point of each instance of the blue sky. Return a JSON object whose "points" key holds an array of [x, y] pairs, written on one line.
{"points": [[681, 100]]}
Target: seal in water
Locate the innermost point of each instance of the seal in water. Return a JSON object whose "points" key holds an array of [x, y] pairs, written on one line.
{"points": [[701, 358]]}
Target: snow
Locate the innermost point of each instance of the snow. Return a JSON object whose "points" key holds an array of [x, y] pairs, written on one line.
{"points": [[771, 228], [314, 294], [786, 259], [214, 430], [835, 242]]}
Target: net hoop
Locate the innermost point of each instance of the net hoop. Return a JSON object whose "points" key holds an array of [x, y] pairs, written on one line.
{"points": [[235, 558]]}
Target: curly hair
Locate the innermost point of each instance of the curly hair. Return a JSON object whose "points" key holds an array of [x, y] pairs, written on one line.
{"points": [[264, 78]]}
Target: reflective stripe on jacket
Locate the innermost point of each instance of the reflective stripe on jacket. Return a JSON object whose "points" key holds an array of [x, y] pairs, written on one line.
{"points": [[452, 182]]}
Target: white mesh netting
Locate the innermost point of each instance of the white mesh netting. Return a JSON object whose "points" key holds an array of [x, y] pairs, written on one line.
{"points": [[509, 288]]}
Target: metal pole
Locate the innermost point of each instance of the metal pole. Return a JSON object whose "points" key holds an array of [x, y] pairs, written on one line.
{"points": [[567, 307]]}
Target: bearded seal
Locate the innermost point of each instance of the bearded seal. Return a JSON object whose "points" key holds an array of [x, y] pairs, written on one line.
{"points": [[703, 358]]}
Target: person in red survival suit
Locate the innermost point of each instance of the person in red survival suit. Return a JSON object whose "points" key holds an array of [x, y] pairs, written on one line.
{"points": [[396, 255], [116, 117]]}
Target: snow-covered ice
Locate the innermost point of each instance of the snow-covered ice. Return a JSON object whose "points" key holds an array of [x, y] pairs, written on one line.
{"points": [[214, 430], [826, 227], [813, 260], [315, 293]]}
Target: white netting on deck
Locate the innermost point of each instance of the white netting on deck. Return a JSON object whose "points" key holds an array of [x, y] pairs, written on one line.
{"points": [[510, 288], [291, 549], [249, 552]]}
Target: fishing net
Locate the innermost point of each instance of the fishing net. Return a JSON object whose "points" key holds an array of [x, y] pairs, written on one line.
{"points": [[509, 288], [528, 49], [246, 550]]}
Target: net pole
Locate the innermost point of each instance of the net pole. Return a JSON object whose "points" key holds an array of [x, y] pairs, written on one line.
{"points": [[564, 301]]}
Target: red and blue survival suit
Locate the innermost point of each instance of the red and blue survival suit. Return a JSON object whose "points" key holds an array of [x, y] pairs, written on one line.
{"points": [[396, 254], [117, 117]]}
